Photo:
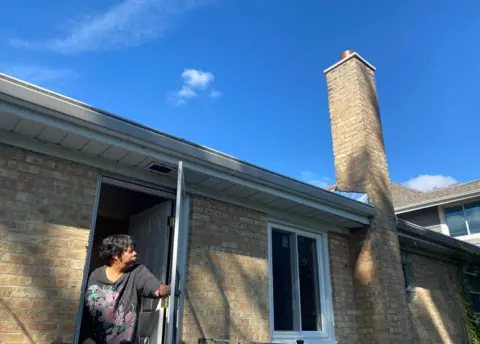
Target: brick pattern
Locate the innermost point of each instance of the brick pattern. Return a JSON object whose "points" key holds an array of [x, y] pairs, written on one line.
{"points": [[361, 166], [45, 216], [227, 274], [344, 309], [434, 302]]}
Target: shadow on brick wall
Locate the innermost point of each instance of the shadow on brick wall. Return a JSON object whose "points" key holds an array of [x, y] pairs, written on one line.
{"points": [[45, 215], [230, 303], [39, 304], [18, 322], [434, 301], [376, 258]]}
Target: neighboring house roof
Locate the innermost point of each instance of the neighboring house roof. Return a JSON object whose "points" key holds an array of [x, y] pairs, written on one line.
{"points": [[402, 195], [406, 199]]}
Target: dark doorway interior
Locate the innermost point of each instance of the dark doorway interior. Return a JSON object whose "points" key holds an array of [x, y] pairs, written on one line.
{"points": [[116, 206]]}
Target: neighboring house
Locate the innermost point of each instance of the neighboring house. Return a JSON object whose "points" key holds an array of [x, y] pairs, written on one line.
{"points": [[453, 211], [256, 256]]}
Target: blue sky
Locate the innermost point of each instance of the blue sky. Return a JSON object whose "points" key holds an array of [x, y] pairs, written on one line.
{"points": [[246, 77]]}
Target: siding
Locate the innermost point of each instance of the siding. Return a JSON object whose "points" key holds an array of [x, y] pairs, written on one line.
{"points": [[427, 218]]}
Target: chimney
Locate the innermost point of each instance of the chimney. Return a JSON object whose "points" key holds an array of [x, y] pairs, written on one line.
{"points": [[356, 127], [361, 166]]}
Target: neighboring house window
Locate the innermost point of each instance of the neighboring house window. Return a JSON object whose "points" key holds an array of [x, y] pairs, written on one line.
{"points": [[299, 285], [463, 219], [407, 276], [473, 280]]}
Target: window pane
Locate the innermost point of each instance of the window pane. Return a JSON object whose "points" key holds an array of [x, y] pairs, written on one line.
{"points": [[473, 282], [472, 214], [475, 302], [282, 281], [456, 221], [309, 290]]}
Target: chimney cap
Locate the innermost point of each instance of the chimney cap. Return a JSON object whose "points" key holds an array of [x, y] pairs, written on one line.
{"points": [[346, 53]]}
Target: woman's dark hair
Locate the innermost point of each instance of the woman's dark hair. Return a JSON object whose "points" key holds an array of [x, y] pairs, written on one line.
{"points": [[113, 246]]}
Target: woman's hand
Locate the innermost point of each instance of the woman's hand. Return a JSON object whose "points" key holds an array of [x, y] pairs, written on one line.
{"points": [[164, 290]]}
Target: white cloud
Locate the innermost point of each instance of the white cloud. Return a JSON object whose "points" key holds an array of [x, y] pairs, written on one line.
{"points": [[128, 23], [196, 78], [186, 92], [429, 182], [37, 74], [216, 94], [313, 178], [194, 81]]}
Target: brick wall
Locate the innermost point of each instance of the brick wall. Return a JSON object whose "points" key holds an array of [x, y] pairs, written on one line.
{"points": [[434, 301], [344, 311], [227, 274], [45, 215]]}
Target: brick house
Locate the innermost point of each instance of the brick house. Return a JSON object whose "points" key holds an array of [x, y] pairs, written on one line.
{"points": [[453, 211], [256, 256]]}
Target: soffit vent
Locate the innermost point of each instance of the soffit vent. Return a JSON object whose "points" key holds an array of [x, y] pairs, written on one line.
{"points": [[159, 168]]}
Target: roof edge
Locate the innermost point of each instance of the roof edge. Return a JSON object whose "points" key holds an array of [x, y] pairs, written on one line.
{"points": [[437, 201], [28, 95], [461, 247]]}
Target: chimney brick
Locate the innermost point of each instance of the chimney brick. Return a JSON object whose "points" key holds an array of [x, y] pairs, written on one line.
{"points": [[361, 166]]}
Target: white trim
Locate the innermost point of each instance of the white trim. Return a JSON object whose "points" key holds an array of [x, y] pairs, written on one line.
{"points": [[184, 254], [443, 222], [468, 237], [139, 187], [327, 335], [307, 226], [86, 267], [444, 225], [171, 326], [342, 61], [291, 197]]}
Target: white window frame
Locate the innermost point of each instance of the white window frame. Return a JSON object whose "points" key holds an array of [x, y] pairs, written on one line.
{"points": [[327, 334], [443, 219]]}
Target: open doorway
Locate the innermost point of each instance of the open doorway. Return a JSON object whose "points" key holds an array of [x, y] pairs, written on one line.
{"points": [[145, 216]]}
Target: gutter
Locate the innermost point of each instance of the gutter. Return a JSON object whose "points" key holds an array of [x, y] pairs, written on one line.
{"points": [[460, 248], [63, 108]]}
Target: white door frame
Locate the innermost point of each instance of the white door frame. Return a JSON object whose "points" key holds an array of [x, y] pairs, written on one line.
{"points": [[86, 267], [126, 184], [179, 256]]}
